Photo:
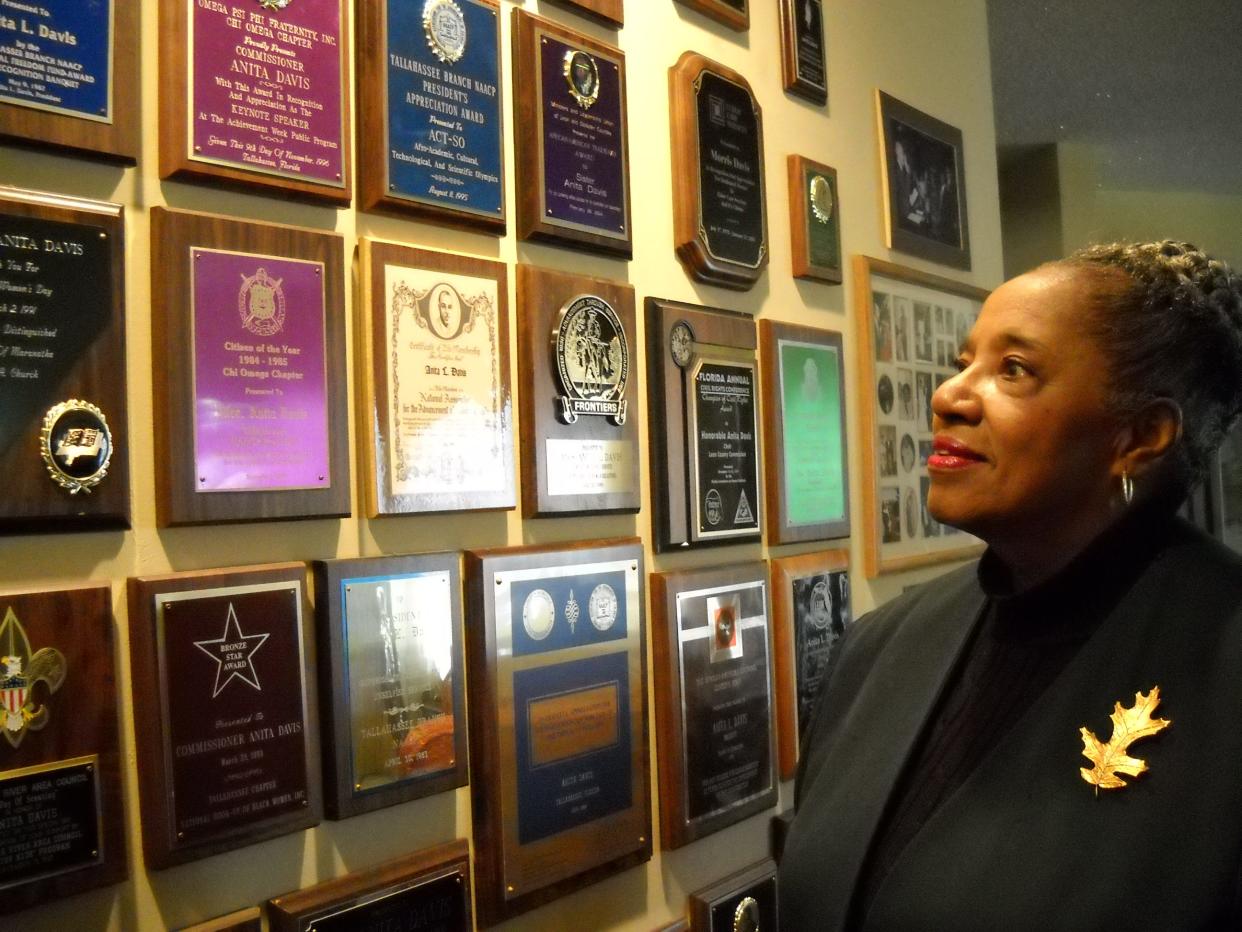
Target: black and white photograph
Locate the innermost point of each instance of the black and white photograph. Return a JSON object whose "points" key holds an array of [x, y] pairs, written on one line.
{"points": [[901, 328], [884, 394], [907, 453], [888, 450], [922, 332], [923, 393], [883, 320], [905, 394], [931, 527], [890, 514], [912, 515]]}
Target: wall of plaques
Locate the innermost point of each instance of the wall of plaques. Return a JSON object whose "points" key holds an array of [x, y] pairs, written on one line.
{"points": [[399, 403]]}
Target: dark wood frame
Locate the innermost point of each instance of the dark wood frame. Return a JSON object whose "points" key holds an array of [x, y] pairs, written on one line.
{"points": [[886, 108], [689, 237], [791, 72], [876, 562], [671, 517], [341, 799], [177, 162], [676, 827], [294, 911], [722, 12], [173, 235], [800, 220], [784, 642], [151, 725], [780, 526], [83, 722], [32, 501], [373, 133], [609, 12], [528, 29], [249, 919], [116, 141], [542, 293], [737, 885], [491, 718], [372, 395]]}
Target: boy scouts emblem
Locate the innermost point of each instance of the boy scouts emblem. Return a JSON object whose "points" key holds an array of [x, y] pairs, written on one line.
{"points": [[21, 672], [76, 445], [592, 359], [446, 30], [582, 76], [261, 303]]}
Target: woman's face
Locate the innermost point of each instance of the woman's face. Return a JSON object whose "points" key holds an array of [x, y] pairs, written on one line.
{"points": [[1023, 438]]}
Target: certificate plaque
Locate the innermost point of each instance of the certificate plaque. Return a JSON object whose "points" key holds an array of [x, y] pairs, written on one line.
{"points": [[719, 216], [430, 126], [390, 680], [60, 784], [815, 220], [579, 407], [716, 735], [435, 410], [804, 57], [248, 350], [223, 693], [256, 96], [63, 423], [742, 902], [733, 13], [573, 163], [558, 721]]}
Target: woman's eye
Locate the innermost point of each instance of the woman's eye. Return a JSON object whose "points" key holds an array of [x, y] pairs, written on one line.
{"points": [[1013, 368]]}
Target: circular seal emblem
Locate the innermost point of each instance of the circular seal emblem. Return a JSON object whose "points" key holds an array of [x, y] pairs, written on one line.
{"points": [[821, 199], [582, 75], [445, 27], [76, 445], [538, 613], [681, 343], [592, 359], [712, 505], [261, 303], [274, 4], [602, 607], [746, 916], [819, 613]]}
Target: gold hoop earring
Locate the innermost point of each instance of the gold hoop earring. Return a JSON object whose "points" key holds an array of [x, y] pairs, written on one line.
{"points": [[1127, 487]]}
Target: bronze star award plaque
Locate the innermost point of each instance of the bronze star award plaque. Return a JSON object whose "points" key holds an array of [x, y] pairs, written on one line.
{"points": [[428, 890], [716, 728], [608, 12], [703, 382], [720, 221], [558, 720], [742, 902], [435, 414], [223, 700], [390, 680], [62, 828], [733, 13], [579, 404], [63, 446]]}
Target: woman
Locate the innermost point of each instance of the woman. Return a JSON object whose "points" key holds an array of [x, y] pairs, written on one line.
{"points": [[943, 783]]}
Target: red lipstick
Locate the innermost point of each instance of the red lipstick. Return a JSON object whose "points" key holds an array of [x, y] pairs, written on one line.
{"points": [[948, 453]]}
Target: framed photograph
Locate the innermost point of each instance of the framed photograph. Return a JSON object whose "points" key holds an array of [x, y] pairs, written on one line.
{"points": [[742, 902], [804, 53], [815, 220], [435, 411], [608, 12], [924, 184], [910, 324], [806, 473], [733, 13], [810, 612], [715, 722], [558, 720]]}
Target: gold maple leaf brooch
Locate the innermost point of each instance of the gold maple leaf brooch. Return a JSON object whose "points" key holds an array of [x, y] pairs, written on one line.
{"points": [[1129, 725]]}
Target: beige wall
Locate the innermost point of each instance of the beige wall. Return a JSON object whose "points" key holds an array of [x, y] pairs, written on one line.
{"points": [[933, 56]]}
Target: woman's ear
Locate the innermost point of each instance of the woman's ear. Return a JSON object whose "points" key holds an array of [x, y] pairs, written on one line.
{"points": [[1149, 435]]}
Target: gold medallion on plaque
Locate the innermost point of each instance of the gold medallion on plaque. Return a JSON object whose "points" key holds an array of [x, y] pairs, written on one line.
{"points": [[582, 75], [821, 199], [746, 916], [22, 671], [76, 445], [445, 27]]}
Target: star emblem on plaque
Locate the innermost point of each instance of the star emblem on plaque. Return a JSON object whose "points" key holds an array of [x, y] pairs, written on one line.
{"points": [[592, 359], [22, 670], [76, 445], [582, 75], [233, 653], [261, 303], [445, 27]]}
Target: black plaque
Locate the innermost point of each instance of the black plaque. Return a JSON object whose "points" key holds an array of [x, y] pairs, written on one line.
{"points": [[821, 613], [731, 214], [725, 464], [437, 905], [49, 820], [803, 55]]}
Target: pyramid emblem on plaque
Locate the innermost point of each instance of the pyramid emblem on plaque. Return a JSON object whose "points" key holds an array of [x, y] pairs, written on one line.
{"points": [[744, 515], [22, 671]]}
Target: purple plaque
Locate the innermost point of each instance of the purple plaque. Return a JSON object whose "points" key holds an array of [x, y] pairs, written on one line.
{"points": [[260, 382], [584, 177], [266, 87]]}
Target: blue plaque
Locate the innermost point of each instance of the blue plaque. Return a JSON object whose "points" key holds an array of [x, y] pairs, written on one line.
{"points": [[443, 115], [56, 55]]}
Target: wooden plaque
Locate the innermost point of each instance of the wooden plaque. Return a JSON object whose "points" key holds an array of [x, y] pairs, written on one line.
{"points": [[573, 154], [807, 465], [810, 612], [746, 901], [558, 721], [249, 919], [580, 412], [248, 343], [44, 47], [715, 726], [430, 127], [391, 680], [60, 785], [608, 12], [814, 220], [224, 700], [704, 444], [435, 413], [429, 889], [258, 101], [804, 53], [720, 220], [64, 448], [733, 13]]}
